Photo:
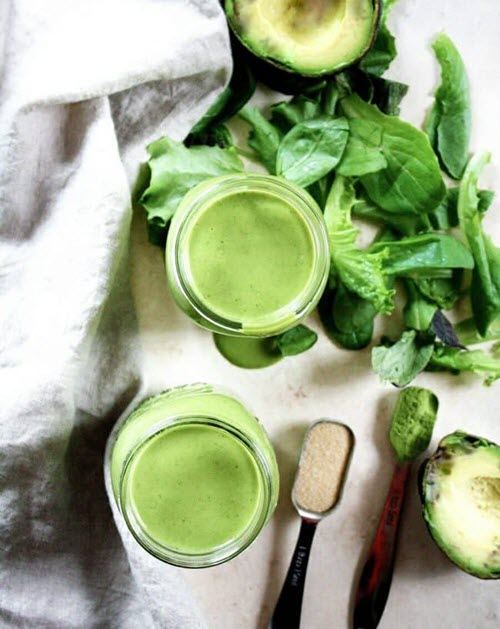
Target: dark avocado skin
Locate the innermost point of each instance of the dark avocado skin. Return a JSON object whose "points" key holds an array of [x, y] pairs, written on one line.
{"points": [[420, 483], [283, 79]]}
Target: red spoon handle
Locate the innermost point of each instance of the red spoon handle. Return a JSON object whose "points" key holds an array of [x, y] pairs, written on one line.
{"points": [[375, 581]]}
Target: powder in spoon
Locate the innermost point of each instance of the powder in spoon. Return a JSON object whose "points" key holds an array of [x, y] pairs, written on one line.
{"points": [[323, 463]]}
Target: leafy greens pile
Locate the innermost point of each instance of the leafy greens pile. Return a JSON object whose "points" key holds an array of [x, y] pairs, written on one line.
{"points": [[343, 141]]}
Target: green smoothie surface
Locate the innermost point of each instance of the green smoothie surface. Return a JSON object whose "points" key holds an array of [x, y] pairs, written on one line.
{"points": [[194, 488], [192, 485], [250, 254]]}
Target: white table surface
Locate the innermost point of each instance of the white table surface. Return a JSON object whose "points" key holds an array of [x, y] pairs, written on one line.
{"points": [[428, 592]]}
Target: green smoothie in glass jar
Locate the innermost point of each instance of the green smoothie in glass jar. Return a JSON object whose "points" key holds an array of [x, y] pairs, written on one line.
{"points": [[247, 255], [194, 475]]}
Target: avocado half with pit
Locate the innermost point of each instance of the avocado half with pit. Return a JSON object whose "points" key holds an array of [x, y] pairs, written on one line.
{"points": [[311, 38], [460, 491]]}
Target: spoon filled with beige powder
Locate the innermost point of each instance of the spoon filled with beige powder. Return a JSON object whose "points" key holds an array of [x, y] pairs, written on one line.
{"points": [[323, 464]]}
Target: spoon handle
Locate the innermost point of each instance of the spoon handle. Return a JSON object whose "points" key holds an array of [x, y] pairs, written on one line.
{"points": [[287, 611], [375, 581]]}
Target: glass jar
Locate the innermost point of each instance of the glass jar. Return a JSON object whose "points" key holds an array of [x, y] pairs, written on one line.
{"points": [[266, 247], [194, 475]]}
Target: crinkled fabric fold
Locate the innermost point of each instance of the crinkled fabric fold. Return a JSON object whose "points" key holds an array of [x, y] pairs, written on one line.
{"points": [[85, 85]]}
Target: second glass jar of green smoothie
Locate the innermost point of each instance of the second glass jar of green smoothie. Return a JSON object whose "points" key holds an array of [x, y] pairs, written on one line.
{"points": [[194, 475], [247, 255]]}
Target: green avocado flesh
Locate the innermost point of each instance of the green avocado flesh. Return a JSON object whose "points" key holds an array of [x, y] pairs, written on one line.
{"points": [[412, 422], [309, 37], [461, 502]]}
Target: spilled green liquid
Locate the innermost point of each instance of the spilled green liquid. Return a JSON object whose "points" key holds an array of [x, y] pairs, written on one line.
{"points": [[250, 255], [194, 488], [249, 353]]}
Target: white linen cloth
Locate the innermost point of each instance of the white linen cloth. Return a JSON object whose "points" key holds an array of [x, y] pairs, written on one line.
{"points": [[85, 85]]}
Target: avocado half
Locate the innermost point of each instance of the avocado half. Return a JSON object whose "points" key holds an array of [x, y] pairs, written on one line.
{"points": [[312, 38], [460, 492]]}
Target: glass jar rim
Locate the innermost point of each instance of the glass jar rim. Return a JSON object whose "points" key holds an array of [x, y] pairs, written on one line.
{"points": [[222, 553], [196, 201]]}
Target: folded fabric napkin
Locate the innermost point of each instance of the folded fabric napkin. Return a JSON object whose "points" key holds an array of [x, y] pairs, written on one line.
{"points": [[85, 85]]}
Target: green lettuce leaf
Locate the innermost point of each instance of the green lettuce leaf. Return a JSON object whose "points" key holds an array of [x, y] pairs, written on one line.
{"points": [[458, 360], [360, 271], [176, 169]]}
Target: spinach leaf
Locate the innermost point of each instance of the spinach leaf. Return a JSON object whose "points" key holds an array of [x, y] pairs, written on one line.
{"points": [[311, 149], [485, 285], [384, 93], [215, 135], [412, 182], [320, 189], [363, 152], [417, 255], [176, 169], [404, 224], [468, 334], [321, 101], [328, 98], [381, 55], [402, 362], [347, 318], [387, 95], [485, 199], [355, 81], [287, 114], [442, 291], [457, 360], [238, 92], [418, 312], [445, 216], [264, 137], [449, 122], [295, 341], [383, 51], [359, 270]]}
